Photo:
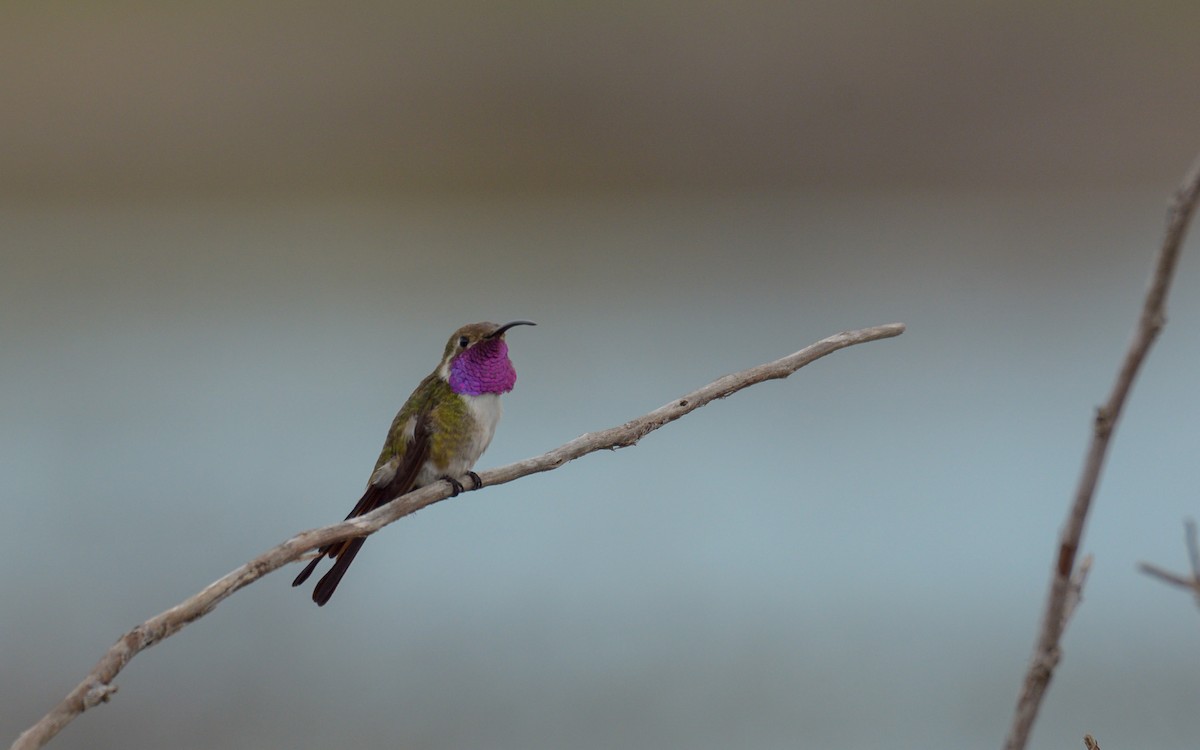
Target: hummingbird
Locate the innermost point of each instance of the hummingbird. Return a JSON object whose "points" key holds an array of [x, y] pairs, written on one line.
{"points": [[440, 432]]}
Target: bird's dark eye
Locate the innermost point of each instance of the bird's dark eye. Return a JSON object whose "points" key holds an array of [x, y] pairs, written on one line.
{"points": [[463, 341]]}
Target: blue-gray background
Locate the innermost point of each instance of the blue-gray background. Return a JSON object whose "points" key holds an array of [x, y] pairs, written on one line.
{"points": [[234, 238]]}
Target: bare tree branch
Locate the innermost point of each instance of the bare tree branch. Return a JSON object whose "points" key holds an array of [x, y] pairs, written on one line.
{"points": [[1189, 538], [1153, 318], [97, 687], [1168, 577], [1191, 584]]}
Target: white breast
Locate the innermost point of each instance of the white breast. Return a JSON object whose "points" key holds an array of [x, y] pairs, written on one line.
{"points": [[486, 410], [485, 413]]}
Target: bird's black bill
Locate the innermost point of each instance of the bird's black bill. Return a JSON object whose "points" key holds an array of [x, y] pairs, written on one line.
{"points": [[500, 331]]}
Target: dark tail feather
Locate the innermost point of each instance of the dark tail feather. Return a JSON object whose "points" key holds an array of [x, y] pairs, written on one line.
{"points": [[328, 549], [308, 570], [329, 582], [370, 500], [416, 453]]}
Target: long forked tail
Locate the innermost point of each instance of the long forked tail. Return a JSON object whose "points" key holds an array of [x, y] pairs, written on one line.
{"points": [[415, 456], [344, 552]]}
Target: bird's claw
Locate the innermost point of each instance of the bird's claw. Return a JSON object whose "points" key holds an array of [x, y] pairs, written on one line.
{"points": [[457, 487]]}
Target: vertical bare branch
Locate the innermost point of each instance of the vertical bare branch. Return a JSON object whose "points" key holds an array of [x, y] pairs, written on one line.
{"points": [[1189, 538], [1153, 318]]}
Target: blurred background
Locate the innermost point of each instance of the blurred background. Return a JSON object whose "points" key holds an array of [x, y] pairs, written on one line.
{"points": [[234, 236]]}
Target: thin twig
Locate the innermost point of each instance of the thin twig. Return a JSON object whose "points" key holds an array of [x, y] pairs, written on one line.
{"points": [[1167, 576], [1075, 593], [1191, 584], [1151, 322], [97, 687]]}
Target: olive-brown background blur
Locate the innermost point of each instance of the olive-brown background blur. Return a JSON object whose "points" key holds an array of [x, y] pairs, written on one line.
{"points": [[233, 237]]}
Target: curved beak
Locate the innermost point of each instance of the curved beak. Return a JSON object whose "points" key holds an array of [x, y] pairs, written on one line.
{"points": [[500, 331]]}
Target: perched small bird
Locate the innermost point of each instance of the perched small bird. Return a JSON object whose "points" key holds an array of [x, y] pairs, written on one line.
{"points": [[440, 432]]}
